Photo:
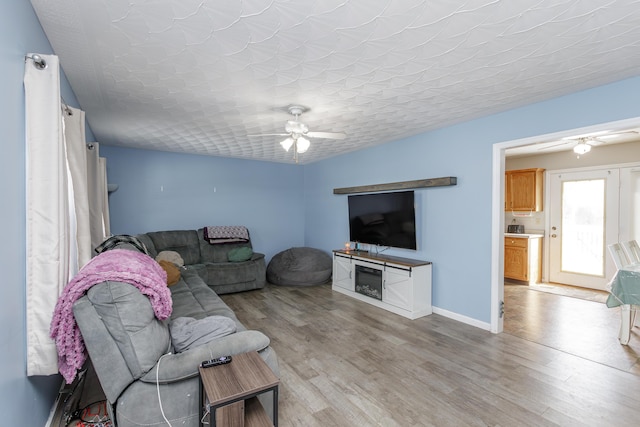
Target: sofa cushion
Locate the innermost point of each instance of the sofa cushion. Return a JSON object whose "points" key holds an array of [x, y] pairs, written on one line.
{"points": [[240, 254], [130, 320], [185, 242], [171, 256], [230, 273], [193, 298], [173, 272], [187, 332]]}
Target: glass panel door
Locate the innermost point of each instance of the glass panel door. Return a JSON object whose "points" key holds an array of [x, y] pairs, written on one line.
{"points": [[582, 227], [583, 221]]}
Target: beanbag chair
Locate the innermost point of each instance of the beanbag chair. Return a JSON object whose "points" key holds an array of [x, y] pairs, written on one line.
{"points": [[300, 267]]}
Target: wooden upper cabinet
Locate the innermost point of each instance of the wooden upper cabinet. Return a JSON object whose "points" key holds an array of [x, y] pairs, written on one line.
{"points": [[523, 190]]}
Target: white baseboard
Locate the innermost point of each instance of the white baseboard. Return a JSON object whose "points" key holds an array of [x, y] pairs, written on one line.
{"points": [[464, 319]]}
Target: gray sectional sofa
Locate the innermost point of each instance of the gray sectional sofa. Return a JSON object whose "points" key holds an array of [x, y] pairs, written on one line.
{"points": [[131, 350], [211, 262]]}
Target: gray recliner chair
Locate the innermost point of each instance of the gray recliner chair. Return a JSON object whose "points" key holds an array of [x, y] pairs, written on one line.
{"points": [[130, 351]]}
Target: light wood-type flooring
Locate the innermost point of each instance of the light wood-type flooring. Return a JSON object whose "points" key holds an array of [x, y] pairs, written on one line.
{"points": [[580, 326], [346, 363]]}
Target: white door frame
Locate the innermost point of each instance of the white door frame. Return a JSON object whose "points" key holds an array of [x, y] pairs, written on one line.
{"points": [[497, 211]]}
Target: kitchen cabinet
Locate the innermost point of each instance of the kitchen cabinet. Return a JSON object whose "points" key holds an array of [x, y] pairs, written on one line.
{"points": [[523, 258], [523, 190]]}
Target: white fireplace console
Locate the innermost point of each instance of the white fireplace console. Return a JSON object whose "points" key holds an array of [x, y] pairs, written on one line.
{"points": [[399, 285]]}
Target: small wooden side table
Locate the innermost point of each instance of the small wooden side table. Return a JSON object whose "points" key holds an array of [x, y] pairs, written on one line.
{"points": [[232, 390]]}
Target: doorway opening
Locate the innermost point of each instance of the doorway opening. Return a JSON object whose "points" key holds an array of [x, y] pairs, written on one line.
{"points": [[577, 227]]}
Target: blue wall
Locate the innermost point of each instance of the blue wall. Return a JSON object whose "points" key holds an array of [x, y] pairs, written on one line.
{"points": [[287, 205], [454, 223], [283, 205], [438, 210], [169, 191], [22, 399]]}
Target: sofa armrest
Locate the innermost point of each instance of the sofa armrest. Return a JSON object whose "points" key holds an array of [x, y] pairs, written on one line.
{"points": [[256, 255], [180, 366]]}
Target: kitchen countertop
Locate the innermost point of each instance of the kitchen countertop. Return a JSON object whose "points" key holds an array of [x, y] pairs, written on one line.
{"points": [[524, 235]]}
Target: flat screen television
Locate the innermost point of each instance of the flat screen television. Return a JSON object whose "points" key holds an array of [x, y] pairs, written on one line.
{"points": [[384, 219]]}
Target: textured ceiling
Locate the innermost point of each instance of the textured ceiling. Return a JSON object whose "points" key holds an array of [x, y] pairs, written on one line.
{"points": [[198, 76]]}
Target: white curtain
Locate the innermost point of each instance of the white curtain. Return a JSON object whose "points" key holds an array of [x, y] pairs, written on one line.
{"points": [[76, 149], [98, 195], [106, 221], [61, 194]]}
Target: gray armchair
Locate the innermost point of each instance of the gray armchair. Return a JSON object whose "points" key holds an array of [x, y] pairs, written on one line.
{"points": [[131, 352]]}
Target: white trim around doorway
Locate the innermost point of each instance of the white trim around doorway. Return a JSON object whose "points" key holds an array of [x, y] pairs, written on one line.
{"points": [[497, 210]]}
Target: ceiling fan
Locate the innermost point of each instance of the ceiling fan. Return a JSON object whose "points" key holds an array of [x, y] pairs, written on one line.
{"points": [[297, 133], [582, 144]]}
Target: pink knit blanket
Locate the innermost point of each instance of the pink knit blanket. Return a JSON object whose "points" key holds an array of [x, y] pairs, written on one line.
{"points": [[119, 265]]}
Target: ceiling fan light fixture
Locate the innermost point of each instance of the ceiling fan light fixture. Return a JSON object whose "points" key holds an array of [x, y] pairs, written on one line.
{"points": [[296, 127], [298, 135], [302, 144], [582, 148], [287, 143]]}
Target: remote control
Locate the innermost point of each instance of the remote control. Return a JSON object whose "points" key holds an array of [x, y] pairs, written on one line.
{"points": [[215, 362]]}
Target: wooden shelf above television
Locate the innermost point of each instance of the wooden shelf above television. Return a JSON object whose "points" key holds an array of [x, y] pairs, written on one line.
{"points": [[403, 185]]}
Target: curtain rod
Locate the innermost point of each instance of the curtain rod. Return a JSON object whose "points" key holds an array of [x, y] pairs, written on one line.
{"points": [[41, 64], [65, 107], [38, 61]]}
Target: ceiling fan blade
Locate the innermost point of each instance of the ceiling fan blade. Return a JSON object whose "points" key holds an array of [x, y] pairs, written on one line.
{"points": [[268, 134], [567, 142], [616, 135], [326, 135]]}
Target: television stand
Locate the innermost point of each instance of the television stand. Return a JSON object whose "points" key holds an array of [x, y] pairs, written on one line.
{"points": [[399, 285]]}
